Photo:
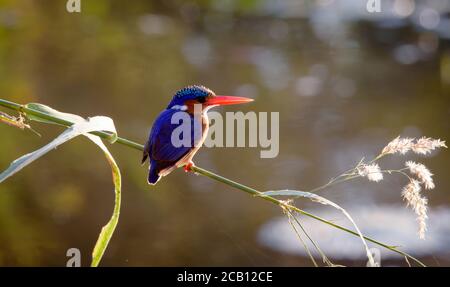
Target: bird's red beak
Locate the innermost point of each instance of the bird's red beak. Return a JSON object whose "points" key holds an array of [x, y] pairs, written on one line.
{"points": [[226, 100]]}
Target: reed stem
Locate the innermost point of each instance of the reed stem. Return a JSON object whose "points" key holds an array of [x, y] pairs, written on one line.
{"points": [[123, 141]]}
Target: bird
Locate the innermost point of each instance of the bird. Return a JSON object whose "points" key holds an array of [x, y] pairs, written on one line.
{"points": [[165, 156]]}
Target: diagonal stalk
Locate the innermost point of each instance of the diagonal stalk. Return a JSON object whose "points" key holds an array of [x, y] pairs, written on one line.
{"points": [[204, 172]]}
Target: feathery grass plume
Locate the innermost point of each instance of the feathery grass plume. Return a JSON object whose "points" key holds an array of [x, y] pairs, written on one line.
{"points": [[411, 193], [425, 145], [422, 173], [371, 171], [398, 145]]}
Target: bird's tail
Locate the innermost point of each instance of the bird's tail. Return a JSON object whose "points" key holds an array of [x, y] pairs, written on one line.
{"points": [[153, 175]]}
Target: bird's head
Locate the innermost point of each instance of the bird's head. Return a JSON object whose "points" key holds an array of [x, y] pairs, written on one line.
{"points": [[186, 98]]}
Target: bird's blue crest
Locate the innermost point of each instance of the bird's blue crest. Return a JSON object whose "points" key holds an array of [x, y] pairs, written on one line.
{"points": [[189, 93]]}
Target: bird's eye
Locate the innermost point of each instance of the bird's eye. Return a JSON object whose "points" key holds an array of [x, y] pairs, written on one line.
{"points": [[201, 99]]}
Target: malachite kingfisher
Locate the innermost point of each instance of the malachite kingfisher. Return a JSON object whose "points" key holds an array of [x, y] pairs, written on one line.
{"points": [[164, 155]]}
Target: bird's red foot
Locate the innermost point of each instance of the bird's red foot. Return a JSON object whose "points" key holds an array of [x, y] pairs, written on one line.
{"points": [[188, 167]]}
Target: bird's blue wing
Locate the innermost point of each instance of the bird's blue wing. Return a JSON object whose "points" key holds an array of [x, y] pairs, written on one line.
{"points": [[160, 147]]}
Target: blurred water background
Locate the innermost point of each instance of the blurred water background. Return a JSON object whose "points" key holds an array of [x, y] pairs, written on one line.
{"points": [[345, 82]]}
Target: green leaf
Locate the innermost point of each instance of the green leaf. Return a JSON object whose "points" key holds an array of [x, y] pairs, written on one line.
{"points": [[108, 229], [80, 127], [51, 112], [63, 118]]}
